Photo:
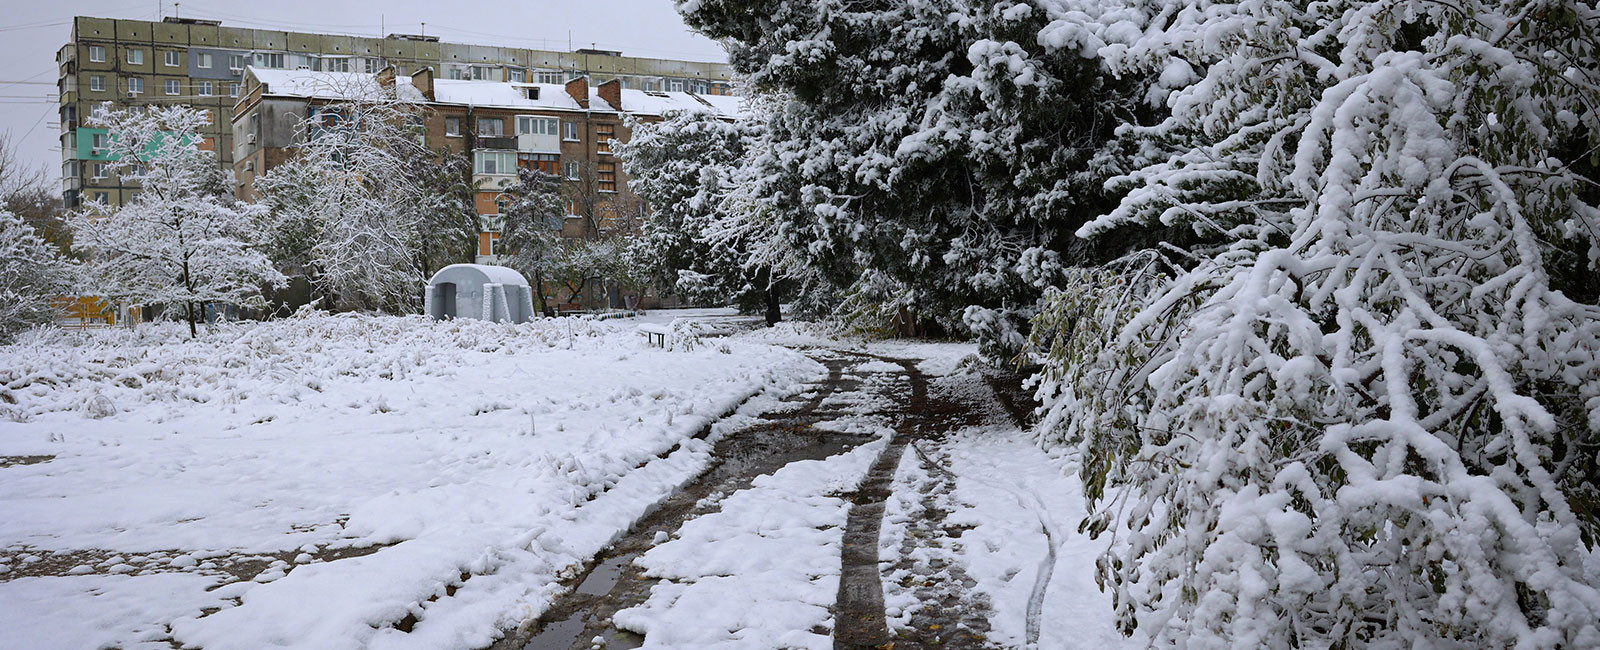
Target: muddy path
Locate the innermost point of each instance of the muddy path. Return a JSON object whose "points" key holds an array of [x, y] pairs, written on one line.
{"points": [[777, 438], [949, 615]]}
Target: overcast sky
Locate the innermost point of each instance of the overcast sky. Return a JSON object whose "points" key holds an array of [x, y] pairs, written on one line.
{"points": [[32, 30]]}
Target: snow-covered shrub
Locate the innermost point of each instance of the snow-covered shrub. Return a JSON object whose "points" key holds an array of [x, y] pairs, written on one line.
{"points": [[1372, 418]]}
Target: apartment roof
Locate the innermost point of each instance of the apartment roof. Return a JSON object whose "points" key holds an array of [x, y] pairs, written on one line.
{"points": [[325, 85], [489, 94], [496, 94]]}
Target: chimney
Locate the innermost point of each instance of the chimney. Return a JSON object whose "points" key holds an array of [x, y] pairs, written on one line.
{"points": [[385, 76], [579, 89], [423, 80], [611, 91]]}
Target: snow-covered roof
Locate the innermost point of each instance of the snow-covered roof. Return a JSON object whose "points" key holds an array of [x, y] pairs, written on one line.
{"points": [[491, 274], [510, 95], [650, 102], [311, 83], [489, 94]]}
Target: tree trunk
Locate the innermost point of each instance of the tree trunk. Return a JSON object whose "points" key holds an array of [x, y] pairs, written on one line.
{"points": [[774, 310], [188, 307]]}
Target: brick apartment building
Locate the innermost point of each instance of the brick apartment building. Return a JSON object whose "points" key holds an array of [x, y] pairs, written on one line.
{"points": [[202, 63], [563, 129]]}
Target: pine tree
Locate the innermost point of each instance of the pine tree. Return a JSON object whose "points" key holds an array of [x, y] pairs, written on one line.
{"points": [[929, 161], [182, 241]]}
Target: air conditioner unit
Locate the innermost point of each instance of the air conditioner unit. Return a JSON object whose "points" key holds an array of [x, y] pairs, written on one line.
{"points": [[250, 139]]}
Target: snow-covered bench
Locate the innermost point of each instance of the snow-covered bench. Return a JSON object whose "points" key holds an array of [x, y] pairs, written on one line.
{"points": [[655, 334]]}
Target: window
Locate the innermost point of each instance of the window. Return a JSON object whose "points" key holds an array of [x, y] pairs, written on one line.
{"points": [[99, 144], [552, 77], [135, 57], [454, 73], [101, 171], [495, 247], [272, 60], [452, 127], [170, 58], [135, 85], [202, 60], [97, 83], [203, 89], [572, 171], [603, 133], [97, 53], [483, 73], [572, 131], [235, 62], [530, 125], [302, 62], [544, 162], [491, 127], [102, 197], [173, 87], [607, 174], [675, 85], [494, 162], [338, 65], [518, 75], [233, 90]]}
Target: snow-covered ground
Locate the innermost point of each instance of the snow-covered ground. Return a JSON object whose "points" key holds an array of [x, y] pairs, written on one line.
{"points": [[361, 482], [317, 482]]}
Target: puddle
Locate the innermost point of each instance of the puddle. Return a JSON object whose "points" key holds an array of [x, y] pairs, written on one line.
{"points": [[604, 576], [559, 635]]}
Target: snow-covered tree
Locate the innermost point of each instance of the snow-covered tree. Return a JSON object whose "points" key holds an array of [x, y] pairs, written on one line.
{"points": [[687, 168], [364, 205], [182, 241], [1370, 416], [32, 274], [930, 160], [531, 235]]}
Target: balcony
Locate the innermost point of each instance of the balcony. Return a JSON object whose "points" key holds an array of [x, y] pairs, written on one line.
{"points": [[497, 143], [539, 143]]}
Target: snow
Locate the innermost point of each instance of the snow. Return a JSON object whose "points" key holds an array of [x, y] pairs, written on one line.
{"points": [[760, 573], [338, 473], [494, 274], [508, 95], [314, 83]]}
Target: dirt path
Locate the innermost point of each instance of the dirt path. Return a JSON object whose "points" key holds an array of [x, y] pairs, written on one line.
{"points": [[612, 584], [948, 616]]}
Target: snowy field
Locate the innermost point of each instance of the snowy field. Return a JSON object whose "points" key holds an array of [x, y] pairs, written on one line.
{"points": [[336, 481]]}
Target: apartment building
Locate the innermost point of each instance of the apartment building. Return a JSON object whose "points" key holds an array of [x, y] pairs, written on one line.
{"points": [[202, 63], [564, 129]]}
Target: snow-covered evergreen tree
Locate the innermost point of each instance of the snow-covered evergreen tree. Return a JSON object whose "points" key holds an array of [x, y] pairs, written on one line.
{"points": [[183, 241], [1370, 417], [364, 205], [32, 274], [687, 168], [928, 159]]}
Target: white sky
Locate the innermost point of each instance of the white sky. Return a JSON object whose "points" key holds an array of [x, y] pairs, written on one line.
{"points": [[31, 31]]}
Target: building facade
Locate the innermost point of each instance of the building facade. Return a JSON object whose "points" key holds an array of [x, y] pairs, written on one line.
{"points": [[202, 63], [563, 129]]}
